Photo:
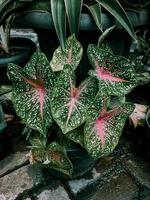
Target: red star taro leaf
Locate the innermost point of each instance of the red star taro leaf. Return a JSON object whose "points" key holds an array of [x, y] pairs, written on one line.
{"points": [[69, 104], [103, 133], [116, 74], [71, 55], [57, 159], [32, 88], [53, 157]]}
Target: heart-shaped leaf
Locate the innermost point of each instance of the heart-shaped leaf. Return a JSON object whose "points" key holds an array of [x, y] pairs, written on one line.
{"points": [[116, 74], [69, 104], [54, 156], [103, 133], [58, 159], [71, 55], [32, 87]]}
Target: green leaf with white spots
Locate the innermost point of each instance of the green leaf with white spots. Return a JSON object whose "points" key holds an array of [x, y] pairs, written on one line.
{"points": [[104, 46], [103, 133], [116, 74], [37, 141], [53, 156], [32, 88], [77, 135], [69, 104], [57, 159], [71, 55]]}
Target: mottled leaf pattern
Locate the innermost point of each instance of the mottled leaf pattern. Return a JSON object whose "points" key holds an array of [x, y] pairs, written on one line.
{"points": [[32, 87], [115, 73], [58, 159], [54, 156], [77, 135], [69, 104], [71, 55], [105, 47], [103, 133]]}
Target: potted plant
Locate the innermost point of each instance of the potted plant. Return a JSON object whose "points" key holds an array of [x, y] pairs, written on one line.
{"points": [[71, 121], [62, 114], [12, 49]]}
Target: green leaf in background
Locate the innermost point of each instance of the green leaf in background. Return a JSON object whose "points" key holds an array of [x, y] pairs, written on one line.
{"points": [[57, 159], [32, 87], [52, 156], [71, 55], [73, 10], [77, 135], [95, 10], [103, 133], [59, 19], [115, 8], [105, 34], [69, 103], [115, 74]]}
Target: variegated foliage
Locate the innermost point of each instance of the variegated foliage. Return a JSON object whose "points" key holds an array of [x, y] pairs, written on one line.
{"points": [[116, 74], [32, 88], [83, 113], [71, 55], [52, 156], [104, 127], [69, 103]]}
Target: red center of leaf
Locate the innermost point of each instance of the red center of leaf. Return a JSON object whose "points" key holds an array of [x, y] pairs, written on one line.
{"points": [[74, 92], [69, 59], [102, 123], [74, 96], [40, 91], [105, 73]]}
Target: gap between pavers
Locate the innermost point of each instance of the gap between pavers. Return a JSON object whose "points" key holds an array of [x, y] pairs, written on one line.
{"points": [[85, 187], [13, 162]]}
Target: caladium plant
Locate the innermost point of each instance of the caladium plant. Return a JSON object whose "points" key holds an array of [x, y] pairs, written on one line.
{"points": [[46, 95]]}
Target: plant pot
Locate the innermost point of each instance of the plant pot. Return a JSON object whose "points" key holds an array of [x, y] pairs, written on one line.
{"points": [[38, 17], [22, 49]]}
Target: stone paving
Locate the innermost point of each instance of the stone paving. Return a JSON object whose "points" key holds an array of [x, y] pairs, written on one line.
{"points": [[120, 176]]}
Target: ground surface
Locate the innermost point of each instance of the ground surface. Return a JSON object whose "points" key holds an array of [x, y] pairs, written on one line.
{"points": [[121, 176]]}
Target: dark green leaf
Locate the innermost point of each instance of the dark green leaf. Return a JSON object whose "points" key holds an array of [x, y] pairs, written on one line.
{"points": [[59, 19], [57, 159], [105, 34], [95, 10], [115, 8], [73, 10], [77, 135]]}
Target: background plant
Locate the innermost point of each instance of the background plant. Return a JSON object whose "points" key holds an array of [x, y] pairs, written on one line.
{"points": [[72, 9]]}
